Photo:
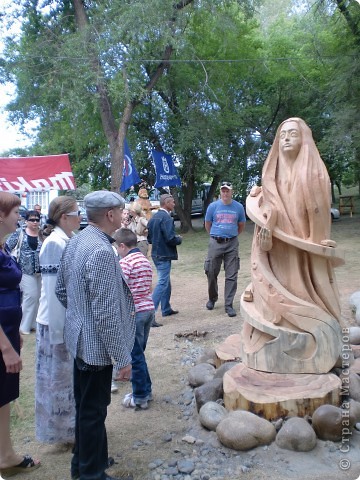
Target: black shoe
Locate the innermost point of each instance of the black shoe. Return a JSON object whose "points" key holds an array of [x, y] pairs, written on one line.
{"points": [[210, 305], [230, 311], [156, 324], [172, 312]]}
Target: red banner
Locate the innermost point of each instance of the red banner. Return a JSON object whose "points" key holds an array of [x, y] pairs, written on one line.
{"points": [[28, 174]]}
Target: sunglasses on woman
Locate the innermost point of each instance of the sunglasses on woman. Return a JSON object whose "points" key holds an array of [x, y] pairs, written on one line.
{"points": [[33, 220]]}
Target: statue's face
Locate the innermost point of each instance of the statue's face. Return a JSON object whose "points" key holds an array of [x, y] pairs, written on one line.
{"points": [[290, 138]]}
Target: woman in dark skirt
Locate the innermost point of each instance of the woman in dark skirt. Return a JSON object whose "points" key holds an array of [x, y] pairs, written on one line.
{"points": [[10, 318]]}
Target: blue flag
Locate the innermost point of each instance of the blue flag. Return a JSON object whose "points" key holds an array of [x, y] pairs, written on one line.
{"points": [[166, 173], [130, 175]]}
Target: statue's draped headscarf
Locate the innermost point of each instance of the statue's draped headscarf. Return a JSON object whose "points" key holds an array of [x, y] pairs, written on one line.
{"points": [[309, 216]]}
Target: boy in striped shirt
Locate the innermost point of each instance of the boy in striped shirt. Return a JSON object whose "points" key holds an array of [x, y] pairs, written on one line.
{"points": [[137, 272]]}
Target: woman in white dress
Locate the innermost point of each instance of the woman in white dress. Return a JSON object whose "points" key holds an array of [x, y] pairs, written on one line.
{"points": [[54, 398]]}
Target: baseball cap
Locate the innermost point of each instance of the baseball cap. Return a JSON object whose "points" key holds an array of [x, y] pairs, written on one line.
{"points": [[226, 185], [103, 199]]}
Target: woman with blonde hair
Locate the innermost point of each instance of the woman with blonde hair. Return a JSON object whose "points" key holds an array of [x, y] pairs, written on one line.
{"points": [[54, 398], [10, 342]]}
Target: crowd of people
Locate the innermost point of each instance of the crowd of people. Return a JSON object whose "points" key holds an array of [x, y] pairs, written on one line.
{"points": [[89, 297]]}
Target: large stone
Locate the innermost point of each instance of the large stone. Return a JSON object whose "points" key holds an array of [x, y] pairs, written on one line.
{"points": [[296, 434], [243, 430], [208, 356], [208, 392], [327, 423], [211, 414], [354, 335], [355, 351], [224, 368], [355, 366], [354, 412], [200, 374], [354, 389]]}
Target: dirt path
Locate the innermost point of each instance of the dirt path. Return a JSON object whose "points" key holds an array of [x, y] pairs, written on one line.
{"points": [[138, 438]]}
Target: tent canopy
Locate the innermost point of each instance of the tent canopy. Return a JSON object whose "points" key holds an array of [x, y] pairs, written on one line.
{"points": [[28, 174]]}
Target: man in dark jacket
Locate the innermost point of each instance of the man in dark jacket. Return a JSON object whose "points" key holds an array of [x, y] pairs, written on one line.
{"points": [[163, 239]]}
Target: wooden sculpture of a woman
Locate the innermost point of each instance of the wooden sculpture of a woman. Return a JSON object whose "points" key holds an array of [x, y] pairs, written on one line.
{"points": [[291, 308]]}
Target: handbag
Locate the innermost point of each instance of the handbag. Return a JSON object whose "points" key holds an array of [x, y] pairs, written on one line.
{"points": [[15, 252]]}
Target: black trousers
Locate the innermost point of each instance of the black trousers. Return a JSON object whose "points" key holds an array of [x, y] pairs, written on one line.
{"points": [[92, 391], [227, 252]]}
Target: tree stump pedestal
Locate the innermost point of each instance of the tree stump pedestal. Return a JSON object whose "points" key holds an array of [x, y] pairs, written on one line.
{"points": [[275, 395]]}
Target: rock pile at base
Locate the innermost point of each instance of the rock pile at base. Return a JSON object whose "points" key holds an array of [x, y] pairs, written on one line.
{"points": [[243, 430]]}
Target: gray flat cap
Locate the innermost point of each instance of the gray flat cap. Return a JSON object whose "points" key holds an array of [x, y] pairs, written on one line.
{"points": [[165, 196], [103, 199]]}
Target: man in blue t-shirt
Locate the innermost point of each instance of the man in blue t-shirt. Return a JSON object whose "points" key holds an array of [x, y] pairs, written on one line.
{"points": [[224, 221]]}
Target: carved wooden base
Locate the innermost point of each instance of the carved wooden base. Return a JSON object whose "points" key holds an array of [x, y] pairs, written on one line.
{"points": [[275, 395], [229, 350]]}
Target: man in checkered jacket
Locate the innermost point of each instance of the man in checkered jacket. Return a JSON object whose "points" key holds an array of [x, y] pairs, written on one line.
{"points": [[99, 328]]}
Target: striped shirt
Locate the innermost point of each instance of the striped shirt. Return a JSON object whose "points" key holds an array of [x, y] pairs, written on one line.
{"points": [[137, 272]]}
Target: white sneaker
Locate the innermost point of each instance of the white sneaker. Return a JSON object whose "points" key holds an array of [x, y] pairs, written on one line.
{"points": [[129, 402], [114, 387]]}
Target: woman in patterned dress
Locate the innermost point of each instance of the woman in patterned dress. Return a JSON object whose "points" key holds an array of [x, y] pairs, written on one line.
{"points": [[54, 398], [10, 318]]}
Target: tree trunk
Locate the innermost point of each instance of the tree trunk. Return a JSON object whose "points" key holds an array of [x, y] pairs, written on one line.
{"points": [[105, 107], [338, 185], [185, 224], [117, 156], [114, 136], [352, 23], [212, 190], [332, 192]]}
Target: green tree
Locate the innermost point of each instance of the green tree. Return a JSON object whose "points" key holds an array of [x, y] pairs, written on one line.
{"points": [[76, 61]]}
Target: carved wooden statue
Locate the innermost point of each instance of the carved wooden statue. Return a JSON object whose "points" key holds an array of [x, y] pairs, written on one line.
{"points": [[291, 308]]}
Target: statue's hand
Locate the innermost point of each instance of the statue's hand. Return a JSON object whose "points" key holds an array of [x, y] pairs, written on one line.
{"points": [[328, 243], [265, 239], [255, 190]]}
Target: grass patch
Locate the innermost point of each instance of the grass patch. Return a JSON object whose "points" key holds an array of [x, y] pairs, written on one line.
{"points": [[23, 410]]}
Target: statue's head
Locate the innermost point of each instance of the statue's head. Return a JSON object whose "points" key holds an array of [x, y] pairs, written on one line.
{"points": [[290, 138], [143, 193]]}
